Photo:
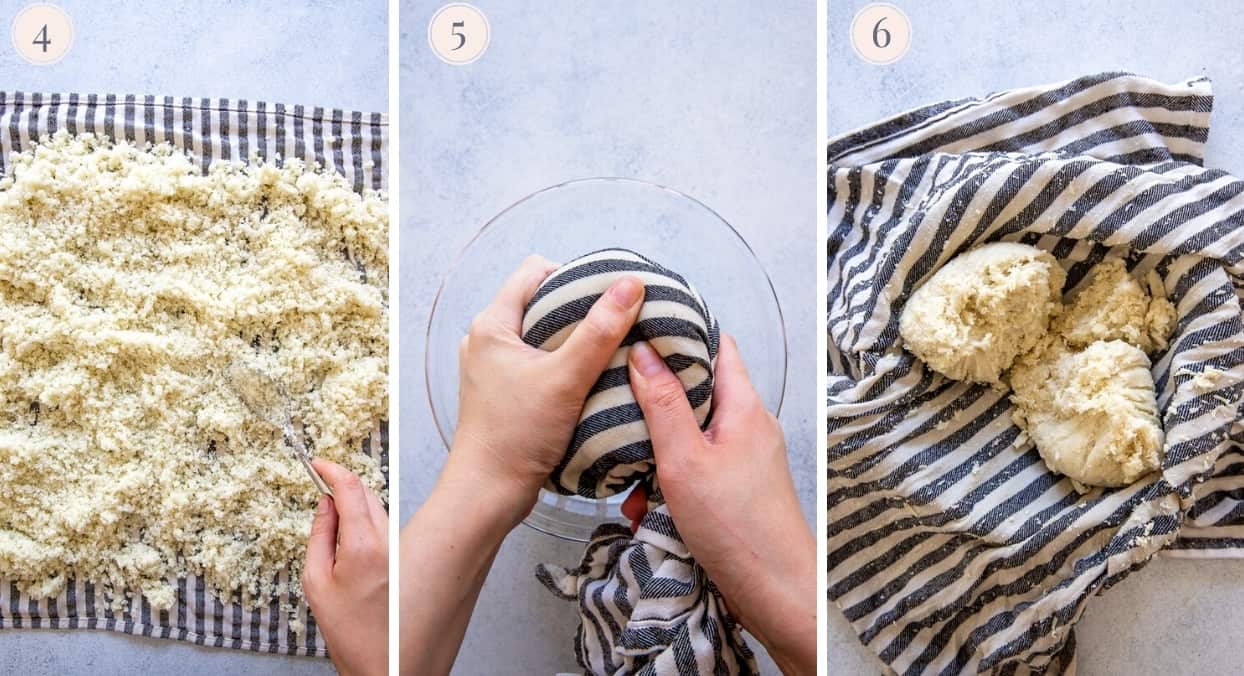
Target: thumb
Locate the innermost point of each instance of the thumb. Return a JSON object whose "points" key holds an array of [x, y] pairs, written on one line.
{"points": [[735, 400], [667, 412], [322, 544]]}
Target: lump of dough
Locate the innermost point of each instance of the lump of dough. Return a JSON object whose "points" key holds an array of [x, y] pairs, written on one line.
{"points": [[1114, 306], [1091, 413], [983, 309]]}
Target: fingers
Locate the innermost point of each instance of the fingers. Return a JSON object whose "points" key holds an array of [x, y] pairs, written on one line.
{"points": [[379, 517], [635, 506], [349, 494], [667, 412], [510, 302], [322, 544], [734, 396], [592, 344]]}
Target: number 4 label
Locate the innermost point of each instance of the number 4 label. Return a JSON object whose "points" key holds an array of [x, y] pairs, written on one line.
{"points": [[42, 39], [880, 33], [42, 34]]}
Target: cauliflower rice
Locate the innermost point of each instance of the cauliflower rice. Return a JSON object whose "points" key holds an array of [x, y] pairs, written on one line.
{"points": [[129, 282]]}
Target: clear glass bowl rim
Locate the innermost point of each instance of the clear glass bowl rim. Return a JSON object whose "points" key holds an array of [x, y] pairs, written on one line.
{"points": [[484, 229]]}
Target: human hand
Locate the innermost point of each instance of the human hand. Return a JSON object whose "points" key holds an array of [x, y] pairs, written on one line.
{"points": [[731, 496], [518, 405], [346, 576]]}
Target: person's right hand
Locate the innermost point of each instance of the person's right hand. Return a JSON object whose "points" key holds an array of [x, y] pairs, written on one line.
{"points": [[518, 405], [732, 498], [346, 577]]}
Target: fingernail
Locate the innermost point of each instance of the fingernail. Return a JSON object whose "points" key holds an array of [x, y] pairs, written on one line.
{"points": [[625, 291], [323, 507], [646, 359]]}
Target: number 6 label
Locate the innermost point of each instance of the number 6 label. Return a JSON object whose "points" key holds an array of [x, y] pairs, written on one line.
{"points": [[42, 34], [880, 33], [458, 33]]}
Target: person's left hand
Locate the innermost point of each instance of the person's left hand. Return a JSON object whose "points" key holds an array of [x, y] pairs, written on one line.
{"points": [[346, 577], [517, 410]]}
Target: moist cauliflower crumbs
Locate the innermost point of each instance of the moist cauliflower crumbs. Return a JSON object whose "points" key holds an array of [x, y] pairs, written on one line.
{"points": [[1078, 371], [1092, 413], [1086, 395], [129, 282], [983, 309], [1114, 306]]}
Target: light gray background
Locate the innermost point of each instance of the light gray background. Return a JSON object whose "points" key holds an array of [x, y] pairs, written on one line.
{"points": [[718, 101], [1174, 616], [314, 53]]}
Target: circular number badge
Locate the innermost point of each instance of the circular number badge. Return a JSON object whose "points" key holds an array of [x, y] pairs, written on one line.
{"points": [[42, 34], [880, 33], [458, 33]]}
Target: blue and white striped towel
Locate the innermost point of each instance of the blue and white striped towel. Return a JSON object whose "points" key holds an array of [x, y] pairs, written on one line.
{"points": [[350, 143], [952, 548], [645, 606]]}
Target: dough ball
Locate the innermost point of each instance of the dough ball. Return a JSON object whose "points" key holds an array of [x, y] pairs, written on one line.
{"points": [[1091, 413], [983, 309], [1112, 305]]}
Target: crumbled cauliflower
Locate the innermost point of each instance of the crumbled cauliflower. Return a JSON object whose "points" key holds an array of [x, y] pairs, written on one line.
{"points": [[129, 282], [1207, 380], [1085, 394], [983, 309], [1114, 306], [1093, 413]]}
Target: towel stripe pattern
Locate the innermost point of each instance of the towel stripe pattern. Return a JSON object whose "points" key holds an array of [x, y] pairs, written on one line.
{"points": [[951, 547], [351, 143], [645, 606], [610, 448]]}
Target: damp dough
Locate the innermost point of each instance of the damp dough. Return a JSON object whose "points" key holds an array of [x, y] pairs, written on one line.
{"points": [[1079, 373], [1086, 395], [1092, 413], [1112, 305], [983, 309], [129, 281]]}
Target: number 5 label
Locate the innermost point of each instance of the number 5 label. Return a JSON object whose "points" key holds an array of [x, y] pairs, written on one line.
{"points": [[42, 34], [458, 33], [880, 33]]}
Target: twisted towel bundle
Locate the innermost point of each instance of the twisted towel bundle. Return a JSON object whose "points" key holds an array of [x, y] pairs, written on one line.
{"points": [[952, 547], [610, 448], [645, 606]]}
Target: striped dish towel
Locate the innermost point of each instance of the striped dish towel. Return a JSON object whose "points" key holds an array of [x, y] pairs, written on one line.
{"points": [[645, 606], [610, 449], [351, 143], [952, 548]]}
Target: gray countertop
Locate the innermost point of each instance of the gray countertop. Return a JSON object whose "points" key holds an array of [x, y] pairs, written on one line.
{"points": [[716, 101], [317, 53], [1174, 616]]}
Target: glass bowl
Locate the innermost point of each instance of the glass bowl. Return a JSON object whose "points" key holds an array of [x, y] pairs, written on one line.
{"points": [[570, 219]]}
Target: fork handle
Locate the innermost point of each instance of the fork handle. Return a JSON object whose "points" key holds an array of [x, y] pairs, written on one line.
{"points": [[315, 477], [300, 451]]}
